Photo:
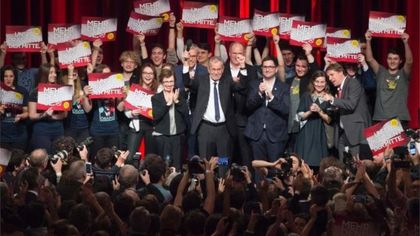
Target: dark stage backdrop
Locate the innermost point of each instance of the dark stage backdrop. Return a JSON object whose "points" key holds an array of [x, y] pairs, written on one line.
{"points": [[336, 13]]}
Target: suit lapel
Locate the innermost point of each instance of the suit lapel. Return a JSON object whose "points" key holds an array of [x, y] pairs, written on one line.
{"points": [[345, 87]]}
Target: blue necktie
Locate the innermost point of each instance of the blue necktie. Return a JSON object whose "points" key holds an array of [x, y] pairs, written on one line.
{"points": [[216, 102]]}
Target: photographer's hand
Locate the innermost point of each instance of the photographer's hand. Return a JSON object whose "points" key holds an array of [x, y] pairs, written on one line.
{"points": [[84, 153], [121, 158], [57, 166], [144, 175], [247, 174]]}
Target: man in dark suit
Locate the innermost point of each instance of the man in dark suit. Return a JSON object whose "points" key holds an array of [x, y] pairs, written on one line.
{"points": [[352, 109], [235, 68], [213, 118], [269, 101]]}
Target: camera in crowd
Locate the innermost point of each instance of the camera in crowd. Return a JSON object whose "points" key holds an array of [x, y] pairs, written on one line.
{"points": [[349, 162], [414, 134], [236, 172], [62, 155], [285, 167], [116, 151], [88, 141], [194, 165]]}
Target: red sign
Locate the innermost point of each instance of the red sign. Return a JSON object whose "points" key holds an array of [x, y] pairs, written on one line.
{"points": [[148, 25], [10, 97], [160, 8], [265, 24], [199, 15], [106, 85], [307, 32], [77, 55], [386, 25], [62, 33], [342, 50], [286, 24], [23, 38], [55, 96], [234, 29], [386, 133], [140, 98], [99, 28]]}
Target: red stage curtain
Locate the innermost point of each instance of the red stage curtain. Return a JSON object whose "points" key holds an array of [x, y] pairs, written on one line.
{"points": [[352, 14]]}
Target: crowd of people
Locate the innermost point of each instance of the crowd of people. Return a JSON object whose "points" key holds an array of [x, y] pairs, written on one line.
{"points": [[241, 143]]}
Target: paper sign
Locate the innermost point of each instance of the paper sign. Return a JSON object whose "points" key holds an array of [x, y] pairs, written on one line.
{"points": [[160, 8], [344, 227], [343, 50], [10, 97], [139, 98], [5, 156], [106, 85], [307, 32], [386, 133], [62, 33], [199, 15], [99, 28], [78, 55], [265, 24], [148, 25], [286, 24], [58, 97], [234, 29], [336, 33], [386, 25], [23, 38]]}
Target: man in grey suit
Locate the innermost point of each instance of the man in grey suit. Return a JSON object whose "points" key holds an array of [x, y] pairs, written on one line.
{"points": [[353, 112]]}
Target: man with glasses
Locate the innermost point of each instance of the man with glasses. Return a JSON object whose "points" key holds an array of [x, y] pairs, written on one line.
{"points": [[269, 101]]}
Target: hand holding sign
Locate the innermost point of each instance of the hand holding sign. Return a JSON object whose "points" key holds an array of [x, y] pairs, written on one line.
{"points": [[368, 35], [405, 37]]}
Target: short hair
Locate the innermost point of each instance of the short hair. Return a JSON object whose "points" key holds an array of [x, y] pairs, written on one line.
{"points": [[77, 170], [128, 176], [335, 67], [302, 58], [30, 176], [140, 220], [155, 166], [38, 157], [129, 55], [9, 67], [394, 51], [158, 45], [204, 46], [104, 157], [319, 195], [164, 73], [236, 43], [270, 58], [215, 59], [16, 159]]}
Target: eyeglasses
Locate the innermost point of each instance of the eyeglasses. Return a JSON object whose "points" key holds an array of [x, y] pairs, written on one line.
{"points": [[268, 67]]}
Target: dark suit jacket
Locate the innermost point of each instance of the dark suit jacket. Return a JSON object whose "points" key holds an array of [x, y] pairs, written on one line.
{"points": [[201, 86], [274, 115], [353, 111], [161, 114], [239, 97]]}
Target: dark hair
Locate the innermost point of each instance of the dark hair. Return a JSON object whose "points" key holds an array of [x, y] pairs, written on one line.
{"points": [[155, 83], [158, 45], [16, 159], [270, 58], [394, 51], [104, 157], [155, 166], [204, 46], [9, 67], [30, 176], [319, 195], [44, 71], [315, 76], [195, 222]]}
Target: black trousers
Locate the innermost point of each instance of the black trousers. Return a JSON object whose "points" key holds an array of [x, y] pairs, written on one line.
{"points": [[170, 149]]}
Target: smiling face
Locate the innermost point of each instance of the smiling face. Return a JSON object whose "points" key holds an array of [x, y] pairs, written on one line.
{"points": [[288, 56], [147, 76], [203, 56], [216, 69], [320, 84], [52, 75], [301, 67], [158, 55], [393, 61], [269, 69], [9, 78], [168, 84], [192, 60]]}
